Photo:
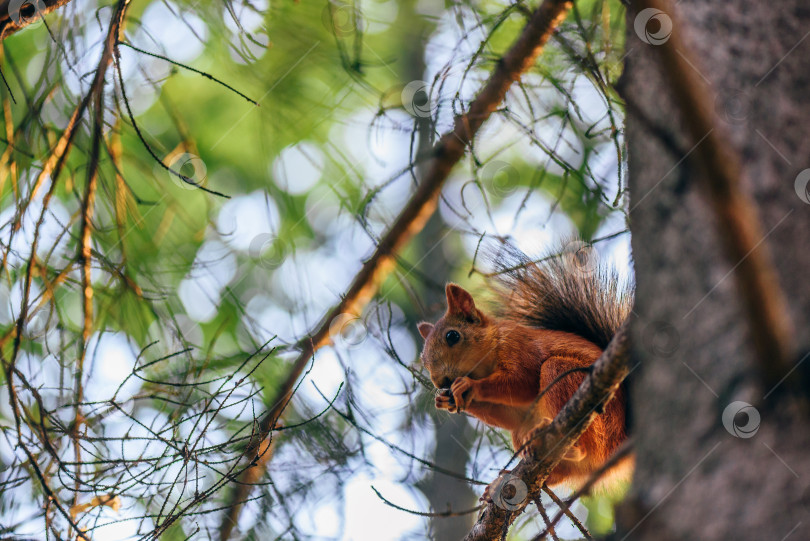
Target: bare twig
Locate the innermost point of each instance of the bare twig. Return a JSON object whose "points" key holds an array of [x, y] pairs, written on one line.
{"points": [[51, 497], [567, 511], [549, 526], [195, 70], [442, 514], [57, 157], [447, 152], [85, 246]]}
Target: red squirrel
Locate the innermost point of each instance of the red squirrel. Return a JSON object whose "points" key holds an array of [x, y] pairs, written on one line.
{"points": [[552, 317]]}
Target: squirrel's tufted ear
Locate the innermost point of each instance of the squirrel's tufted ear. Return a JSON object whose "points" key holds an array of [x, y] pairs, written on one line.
{"points": [[425, 328], [459, 301]]}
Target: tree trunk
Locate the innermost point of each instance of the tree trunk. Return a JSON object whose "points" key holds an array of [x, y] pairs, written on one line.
{"points": [[452, 433], [695, 478]]}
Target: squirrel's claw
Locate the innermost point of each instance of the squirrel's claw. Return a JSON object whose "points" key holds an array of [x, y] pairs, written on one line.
{"points": [[459, 388]]}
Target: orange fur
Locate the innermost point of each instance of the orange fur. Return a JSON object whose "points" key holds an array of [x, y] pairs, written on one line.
{"points": [[498, 367]]}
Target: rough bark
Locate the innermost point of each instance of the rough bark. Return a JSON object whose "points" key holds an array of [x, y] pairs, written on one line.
{"points": [[694, 478]]}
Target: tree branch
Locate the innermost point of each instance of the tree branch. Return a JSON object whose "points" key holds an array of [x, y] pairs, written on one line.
{"points": [[447, 152], [574, 418]]}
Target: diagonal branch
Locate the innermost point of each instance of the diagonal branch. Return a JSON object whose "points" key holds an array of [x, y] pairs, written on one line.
{"points": [[447, 152], [574, 418]]}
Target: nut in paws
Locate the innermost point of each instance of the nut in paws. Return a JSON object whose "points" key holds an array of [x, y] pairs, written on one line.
{"points": [[444, 401]]}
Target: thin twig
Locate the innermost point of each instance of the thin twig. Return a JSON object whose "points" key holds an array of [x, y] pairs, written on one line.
{"points": [[444, 514], [549, 526], [184, 66], [566, 508], [96, 92]]}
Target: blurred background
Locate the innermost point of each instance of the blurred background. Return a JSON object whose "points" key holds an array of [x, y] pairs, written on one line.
{"points": [[201, 287]]}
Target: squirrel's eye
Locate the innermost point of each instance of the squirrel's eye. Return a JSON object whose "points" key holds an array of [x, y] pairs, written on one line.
{"points": [[452, 337]]}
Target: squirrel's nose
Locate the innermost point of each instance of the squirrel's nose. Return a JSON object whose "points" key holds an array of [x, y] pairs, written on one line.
{"points": [[444, 383]]}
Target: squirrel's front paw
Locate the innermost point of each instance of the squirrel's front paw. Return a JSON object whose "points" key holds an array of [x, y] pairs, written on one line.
{"points": [[444, 401], [463, 391]]}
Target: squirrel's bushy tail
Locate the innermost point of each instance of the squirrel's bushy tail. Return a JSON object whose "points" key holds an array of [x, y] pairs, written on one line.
{"points": [[568, 290]]}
